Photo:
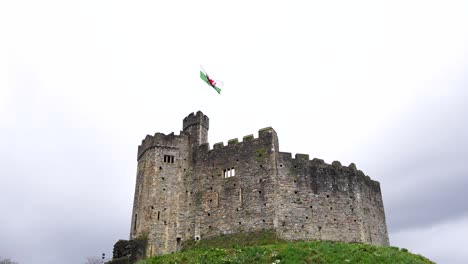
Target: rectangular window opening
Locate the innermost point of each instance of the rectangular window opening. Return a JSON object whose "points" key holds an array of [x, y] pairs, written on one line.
{"points": [[230, 172], [168, 159]]}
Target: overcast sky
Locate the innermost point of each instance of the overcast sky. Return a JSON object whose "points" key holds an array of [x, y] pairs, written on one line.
{"points": [[381, 84]]}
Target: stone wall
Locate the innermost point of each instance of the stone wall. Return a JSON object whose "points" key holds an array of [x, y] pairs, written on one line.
{"points": [[218, 204], [328, 202]]}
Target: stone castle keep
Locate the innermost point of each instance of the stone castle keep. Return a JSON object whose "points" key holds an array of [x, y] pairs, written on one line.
{"points": [[187, 191]]}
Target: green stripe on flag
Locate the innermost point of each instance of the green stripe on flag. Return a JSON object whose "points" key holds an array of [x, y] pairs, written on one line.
{"points": [[205, 79]]}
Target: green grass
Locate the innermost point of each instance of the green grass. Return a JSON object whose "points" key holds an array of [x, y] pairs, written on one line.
{"points": [[267, 249]]}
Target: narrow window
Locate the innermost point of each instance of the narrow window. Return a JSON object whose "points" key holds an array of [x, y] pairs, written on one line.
{"points": [[135, 223], [158, 214], [240, 196], [233, 172]]}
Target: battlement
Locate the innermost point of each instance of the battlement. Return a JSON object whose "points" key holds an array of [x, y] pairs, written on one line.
{"points": [[196, 119], [302, 160], [264, 137], [159, 140]]}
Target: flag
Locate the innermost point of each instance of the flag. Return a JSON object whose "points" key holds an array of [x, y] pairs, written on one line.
{"points": [[217, 85]]}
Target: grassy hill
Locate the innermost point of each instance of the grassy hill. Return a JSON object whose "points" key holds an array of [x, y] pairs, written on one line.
{"points": [[265, 248]]}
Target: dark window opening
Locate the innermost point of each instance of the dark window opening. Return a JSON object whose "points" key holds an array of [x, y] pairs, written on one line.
{"points": [[331, 208], [168, 159], [158, 214], [135, 223], [240, 223], [319, 228], [328, 196], [209, 214], [165, 222]]}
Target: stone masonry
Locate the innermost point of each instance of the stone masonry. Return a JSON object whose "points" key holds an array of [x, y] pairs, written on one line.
{"points": [[185, 190]]}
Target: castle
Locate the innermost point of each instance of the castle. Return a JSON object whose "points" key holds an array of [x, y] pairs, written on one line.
{"points": [[187, 191]]}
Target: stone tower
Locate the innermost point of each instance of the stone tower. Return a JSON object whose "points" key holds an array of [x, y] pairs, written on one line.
{"points": [[197, 127], [186, 191]]}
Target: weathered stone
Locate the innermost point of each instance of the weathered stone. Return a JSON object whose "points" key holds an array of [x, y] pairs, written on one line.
{"points": [[186, 191]]}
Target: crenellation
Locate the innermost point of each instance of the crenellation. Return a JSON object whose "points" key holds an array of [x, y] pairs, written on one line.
{"points": [[185, 190], [337, 164], [301, 157], [218, 145], [248, 138], [353, 167]]}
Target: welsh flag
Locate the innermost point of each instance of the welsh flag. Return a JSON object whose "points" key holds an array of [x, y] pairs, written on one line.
{"points": [[217, 85]]}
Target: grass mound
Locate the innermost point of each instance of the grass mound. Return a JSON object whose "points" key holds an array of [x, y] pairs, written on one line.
{"points": [[267, 249]]}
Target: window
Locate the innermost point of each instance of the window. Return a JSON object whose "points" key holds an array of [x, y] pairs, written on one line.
{"points": [[168, 159], [231, 172], [135, 223]]}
